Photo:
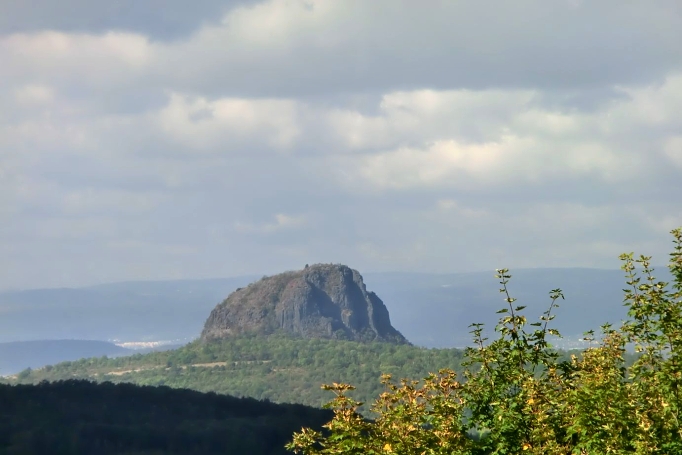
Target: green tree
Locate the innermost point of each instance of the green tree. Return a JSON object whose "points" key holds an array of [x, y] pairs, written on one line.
{"points": [[516, 395]]}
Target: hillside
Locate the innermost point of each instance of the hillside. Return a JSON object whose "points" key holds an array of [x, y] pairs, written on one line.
{"points": [[279, 367], [83, 418], [320, 301]]}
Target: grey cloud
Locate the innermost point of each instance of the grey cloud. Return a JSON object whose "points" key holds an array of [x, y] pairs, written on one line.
{"points": [[576, 52], [402, 45], [159, 19]]}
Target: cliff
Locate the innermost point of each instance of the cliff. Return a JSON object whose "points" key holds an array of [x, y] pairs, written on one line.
{"points": [[320, 301]]}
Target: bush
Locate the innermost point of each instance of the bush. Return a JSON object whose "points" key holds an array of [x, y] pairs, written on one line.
{"points": [[515, 395]]}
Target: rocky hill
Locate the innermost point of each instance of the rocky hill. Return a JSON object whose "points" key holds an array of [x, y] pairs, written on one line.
{"points": [[320, 301]]}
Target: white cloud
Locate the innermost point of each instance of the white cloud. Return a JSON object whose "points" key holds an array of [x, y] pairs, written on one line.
{"points": [[512, 160], [413, 117], [673, 149], [34, 94], [655, 105], [203, 124], [281, 222], [81, 59], [286, 24], [426, 142]]}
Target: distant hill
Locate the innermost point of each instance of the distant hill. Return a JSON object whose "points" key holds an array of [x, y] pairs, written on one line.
{"points": [[320, 301], [19, 355], [128, 311], [83, 418], [435, 310], [439, 308], [431, 310]]}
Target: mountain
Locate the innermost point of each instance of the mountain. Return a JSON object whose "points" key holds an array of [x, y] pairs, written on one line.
{"points": [[432, 310], [320, 301]]}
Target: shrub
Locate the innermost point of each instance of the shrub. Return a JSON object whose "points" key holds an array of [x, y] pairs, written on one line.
{"points": [[515, 395]]}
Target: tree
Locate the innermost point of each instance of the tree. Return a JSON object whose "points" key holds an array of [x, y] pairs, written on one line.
{"points": [[515, 395]]}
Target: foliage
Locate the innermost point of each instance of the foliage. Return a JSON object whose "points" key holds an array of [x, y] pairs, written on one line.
{"points": [[81, 417], [518, 396]]}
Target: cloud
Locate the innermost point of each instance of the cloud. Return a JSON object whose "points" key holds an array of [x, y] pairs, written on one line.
{"points": [[512, 160], [281, 222], [673, 149], [515, 141], [34, 94], [175, 19], [250, 137], [75, 58], [202, 124], [318, 47], [282, 48]]}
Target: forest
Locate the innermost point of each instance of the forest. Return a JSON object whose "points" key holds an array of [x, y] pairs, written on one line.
{"points": [[82, 417]]}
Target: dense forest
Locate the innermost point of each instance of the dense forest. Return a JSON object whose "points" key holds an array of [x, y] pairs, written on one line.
{"points": [[82, 417]]}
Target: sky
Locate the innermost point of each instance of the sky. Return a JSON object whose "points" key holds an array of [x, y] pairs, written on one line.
{"points": [[150, 139]]}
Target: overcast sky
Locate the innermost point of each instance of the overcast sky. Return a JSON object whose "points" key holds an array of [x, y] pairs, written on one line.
{"points": [[150, 139]]}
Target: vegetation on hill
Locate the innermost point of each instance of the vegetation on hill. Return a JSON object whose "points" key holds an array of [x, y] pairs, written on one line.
{"points": [[80, 417], [279, 367], [519, 397]]}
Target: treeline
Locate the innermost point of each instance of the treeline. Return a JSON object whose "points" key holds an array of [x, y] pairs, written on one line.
{"points": [[81, 417]]}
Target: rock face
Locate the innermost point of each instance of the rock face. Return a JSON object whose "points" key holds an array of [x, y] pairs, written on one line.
{"points": [[320, 301]]}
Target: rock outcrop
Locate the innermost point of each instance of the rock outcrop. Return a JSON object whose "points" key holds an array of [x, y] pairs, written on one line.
{"points": [[320, 301]]}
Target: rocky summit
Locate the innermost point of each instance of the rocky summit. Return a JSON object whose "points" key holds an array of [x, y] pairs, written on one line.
{"points": [[320, 301]]}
